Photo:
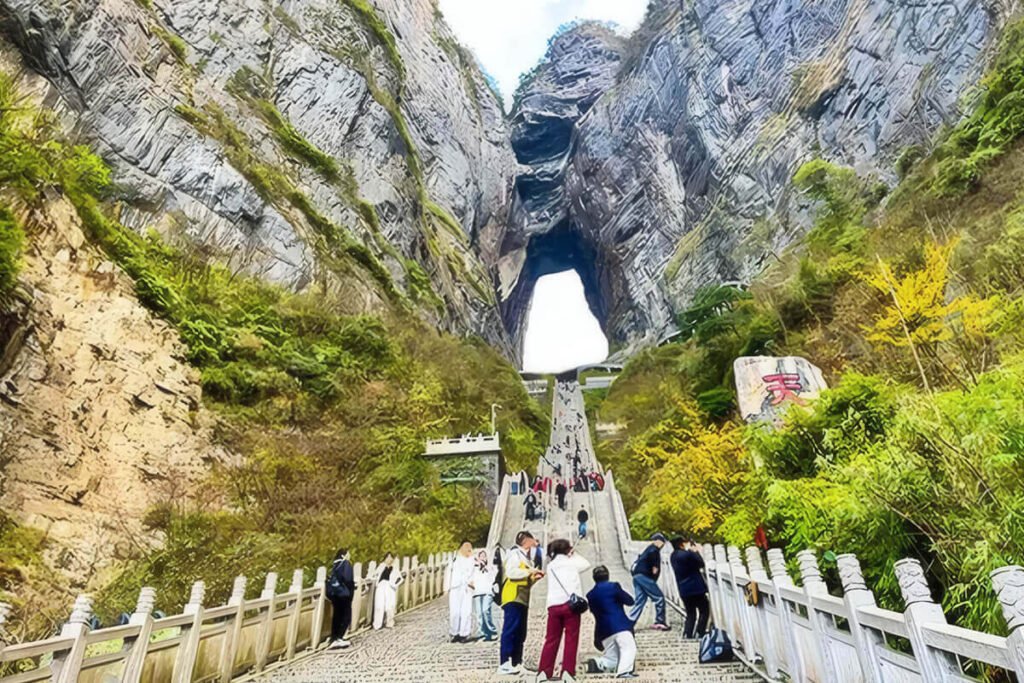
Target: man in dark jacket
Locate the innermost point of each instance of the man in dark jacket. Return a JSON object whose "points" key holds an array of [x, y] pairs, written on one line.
{"points": [[341, 586], [645, 583], [582, 517], [613, 630], [688, 566], [560, 492]]}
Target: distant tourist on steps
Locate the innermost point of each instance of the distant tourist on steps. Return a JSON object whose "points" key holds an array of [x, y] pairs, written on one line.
{"points": [[460, 594], [341, 586], [582, 517]]}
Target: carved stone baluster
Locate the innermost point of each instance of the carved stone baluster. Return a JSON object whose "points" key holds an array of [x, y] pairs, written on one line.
{"points": [[266, 632], [921, 610], [857, 595], [714, 587], [813, 584], [319, 608], [1009, 586], [407, 584], [137, 647], [295, 615], [233, 630], [357, 595], [795, 665], [764, 624], [67, 664], [188, 648], [743, 610], [5, 614]]}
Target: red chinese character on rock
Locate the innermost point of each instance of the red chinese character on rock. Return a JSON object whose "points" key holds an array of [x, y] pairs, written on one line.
{"points": [[783, 387]]}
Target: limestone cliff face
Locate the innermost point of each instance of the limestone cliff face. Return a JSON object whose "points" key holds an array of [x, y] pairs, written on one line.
{"points": [[697, 141], [187, 100], [100, 413], [580, 66]]}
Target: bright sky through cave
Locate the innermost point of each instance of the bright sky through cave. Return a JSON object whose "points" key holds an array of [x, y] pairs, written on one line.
{"points": [[510, 36], [561, 332]]}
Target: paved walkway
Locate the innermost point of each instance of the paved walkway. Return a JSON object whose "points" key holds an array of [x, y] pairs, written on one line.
{"points": [[417, 649]]}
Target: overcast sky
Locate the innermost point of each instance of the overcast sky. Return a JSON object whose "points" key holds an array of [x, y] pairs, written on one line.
{"points": [[561, 332], [510, 36]]}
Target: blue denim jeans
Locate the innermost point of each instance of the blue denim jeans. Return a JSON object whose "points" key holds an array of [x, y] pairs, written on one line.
{"points": [[583, 529], [484, 616], [644, 588]]}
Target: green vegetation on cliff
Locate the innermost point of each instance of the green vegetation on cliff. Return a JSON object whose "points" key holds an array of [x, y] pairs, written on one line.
{"points": [[328, 410], [914, 308]]}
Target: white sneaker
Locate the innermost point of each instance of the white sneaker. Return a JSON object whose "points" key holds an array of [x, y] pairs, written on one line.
{"points": [[339, 644], [507, 669]]}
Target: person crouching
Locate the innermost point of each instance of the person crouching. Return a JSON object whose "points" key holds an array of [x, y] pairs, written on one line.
{"points": [[613, 629]]}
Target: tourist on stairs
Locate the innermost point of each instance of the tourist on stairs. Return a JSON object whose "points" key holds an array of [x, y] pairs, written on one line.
{"points": [[613, 631], [560, 491], [688, 566], [460, 594], [582, 517], [385, 596], [520, 575], [531, 506], [483, 581], [341, 586], [645, 583], [564, 568]]}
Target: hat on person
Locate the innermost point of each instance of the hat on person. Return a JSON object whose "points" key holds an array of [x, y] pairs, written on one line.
{"points": [[659, 537]]}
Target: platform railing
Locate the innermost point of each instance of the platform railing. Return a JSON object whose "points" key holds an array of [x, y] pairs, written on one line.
{"points": [[210, 643], [805, 633]]}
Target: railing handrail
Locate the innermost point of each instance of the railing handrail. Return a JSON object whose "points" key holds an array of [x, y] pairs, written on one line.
{"points": [[298, 617]]}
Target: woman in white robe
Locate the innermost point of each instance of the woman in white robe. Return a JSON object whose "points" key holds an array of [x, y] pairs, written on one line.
{"points": [[460, 594], [385, 597]]}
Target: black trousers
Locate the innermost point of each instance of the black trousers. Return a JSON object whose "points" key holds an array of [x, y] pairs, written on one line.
{"points": [[341, 617], [696, 606]]}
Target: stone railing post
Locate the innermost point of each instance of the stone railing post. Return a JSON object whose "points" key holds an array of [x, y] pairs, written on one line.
{"points": [[233, 630], [357, 595], [67, 665], [764, 625], [137, 647], [921, 610], [813, 584], [856, 595], [414, 579], [5, 614], [714, 589], [316, 627], [407, 584], [739, 577], [266, 631], [295, 615], [728, 590], [795, 665], [1008, 583], [188, 648]]}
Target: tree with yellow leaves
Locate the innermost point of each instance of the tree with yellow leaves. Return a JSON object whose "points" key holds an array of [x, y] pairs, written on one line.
{"points": [[697, 470], [921, 317]]}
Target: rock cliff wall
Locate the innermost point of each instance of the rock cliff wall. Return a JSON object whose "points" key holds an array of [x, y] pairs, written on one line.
{"points": [[255, 128], [696, 141]]}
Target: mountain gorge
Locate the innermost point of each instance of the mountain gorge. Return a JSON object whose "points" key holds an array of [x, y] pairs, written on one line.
{"points": [[253, 252]]}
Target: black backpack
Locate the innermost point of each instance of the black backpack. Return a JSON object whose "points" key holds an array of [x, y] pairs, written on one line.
{"points": [[715, 646]]}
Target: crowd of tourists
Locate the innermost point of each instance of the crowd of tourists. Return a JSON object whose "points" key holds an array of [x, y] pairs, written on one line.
{"points": [[479, 579]]}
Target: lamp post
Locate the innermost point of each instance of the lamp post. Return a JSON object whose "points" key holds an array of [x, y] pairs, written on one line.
{"points": [[494, 414]]}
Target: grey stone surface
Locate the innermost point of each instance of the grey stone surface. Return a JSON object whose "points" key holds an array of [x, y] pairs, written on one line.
{"points": [[673, 166], [117, 84]]}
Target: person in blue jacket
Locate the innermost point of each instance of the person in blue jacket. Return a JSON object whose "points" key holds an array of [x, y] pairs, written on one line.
{"points": [[688, 566], [645, 583], [613, 630], [341, 588]]}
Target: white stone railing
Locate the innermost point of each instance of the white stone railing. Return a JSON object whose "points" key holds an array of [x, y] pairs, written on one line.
{"points": [[210, 643], [497, 528], [804, 633], [468, 443]]}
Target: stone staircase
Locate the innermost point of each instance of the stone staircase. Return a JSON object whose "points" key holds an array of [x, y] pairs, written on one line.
{"points": [[417, 649]]}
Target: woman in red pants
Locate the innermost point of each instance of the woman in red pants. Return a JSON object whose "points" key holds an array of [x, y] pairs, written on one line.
{"points": [[564, 569]]}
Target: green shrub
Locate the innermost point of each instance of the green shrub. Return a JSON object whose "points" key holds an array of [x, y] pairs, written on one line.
{"points": [[12, 240], [174, 43]]}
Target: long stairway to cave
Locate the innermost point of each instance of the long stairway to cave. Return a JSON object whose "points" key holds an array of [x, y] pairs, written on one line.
{"points": [[418, 648]]}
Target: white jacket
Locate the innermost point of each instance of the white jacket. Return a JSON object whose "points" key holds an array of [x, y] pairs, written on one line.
{"points": [[483, 579], [564, 578]]}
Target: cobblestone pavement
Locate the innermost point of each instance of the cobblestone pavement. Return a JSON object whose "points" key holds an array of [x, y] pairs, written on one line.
{"points": [[417, 649]]}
